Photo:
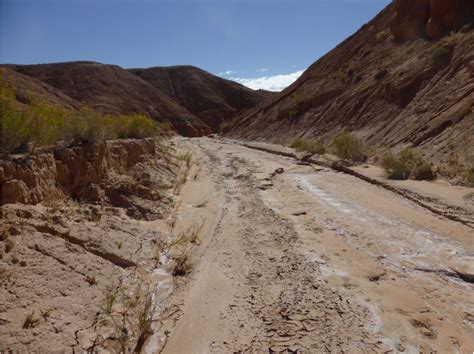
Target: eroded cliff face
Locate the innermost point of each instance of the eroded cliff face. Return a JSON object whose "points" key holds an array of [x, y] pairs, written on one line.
{"points": [[91, 174], [429, 18], [79, 244]]}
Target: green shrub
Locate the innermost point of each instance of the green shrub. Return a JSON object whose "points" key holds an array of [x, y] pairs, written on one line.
{"points": [[424, 172], [40, 124], [395, 168], [15, 130], [407, 164], [349, 148], [136, 126], [312, 146]]}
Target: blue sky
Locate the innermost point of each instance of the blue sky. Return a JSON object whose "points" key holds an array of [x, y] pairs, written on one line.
{"points": [[268, 40]]}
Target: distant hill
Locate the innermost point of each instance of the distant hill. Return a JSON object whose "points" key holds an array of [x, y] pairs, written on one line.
{"points": [[211, 98], [113, 90], [402, 80]]}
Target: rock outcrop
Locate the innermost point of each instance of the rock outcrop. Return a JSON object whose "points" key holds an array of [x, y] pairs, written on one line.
{"points": [[429, 18], [91, 174], [393, 94]]}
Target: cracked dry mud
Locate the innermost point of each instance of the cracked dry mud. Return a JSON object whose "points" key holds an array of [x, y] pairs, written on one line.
{"points": [[311, 260]]}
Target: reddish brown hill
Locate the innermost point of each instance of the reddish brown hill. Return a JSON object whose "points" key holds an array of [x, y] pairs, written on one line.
{"points": [[113, 90], [392, 93], [209, 97], [27, 88]]}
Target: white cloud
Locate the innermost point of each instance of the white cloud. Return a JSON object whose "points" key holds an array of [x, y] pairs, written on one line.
{"points": [[270, 83], [262, 70], [228, 72]]}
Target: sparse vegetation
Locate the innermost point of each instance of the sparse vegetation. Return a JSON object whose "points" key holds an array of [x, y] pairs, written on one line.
{"points": [[466, 107], [41, 124], [31, 321], [382, 35], [182, 265], [441, 52], [312, 146], [349, 148], [407, 164], [187, 158], [91, 279], [356, 78], [109, 301], [145, 321], [380, 74], [469, 176]]}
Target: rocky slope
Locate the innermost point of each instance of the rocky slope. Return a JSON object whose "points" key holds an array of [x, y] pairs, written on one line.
{"points": [[211, 98], [389, 90]]}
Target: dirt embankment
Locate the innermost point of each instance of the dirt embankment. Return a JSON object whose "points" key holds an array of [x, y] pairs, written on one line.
{"points": [[79, 254], [88, 174]]}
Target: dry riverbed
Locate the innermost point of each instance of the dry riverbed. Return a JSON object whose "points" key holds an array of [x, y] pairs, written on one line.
{"points": [[253, 252], [303, 258]]}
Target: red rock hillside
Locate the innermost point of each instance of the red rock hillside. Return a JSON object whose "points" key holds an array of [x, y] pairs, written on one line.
{"points": [[387, 88], [195, 102], [111, 89], [211, 98]]}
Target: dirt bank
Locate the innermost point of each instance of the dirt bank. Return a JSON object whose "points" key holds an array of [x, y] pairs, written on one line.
{"points": [[80, 259]]}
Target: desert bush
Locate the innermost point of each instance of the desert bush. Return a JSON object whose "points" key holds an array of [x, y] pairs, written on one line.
{"points": [[466, 106], [136, 126], [350, 148], [182, 266], [312, 146], [395, 167], [407, 164], [441, 53], [424, 172], [15, 130], [41, 124]]}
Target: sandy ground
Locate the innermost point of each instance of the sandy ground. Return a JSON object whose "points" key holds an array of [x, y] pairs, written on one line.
{"points": [[311, 260]]}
